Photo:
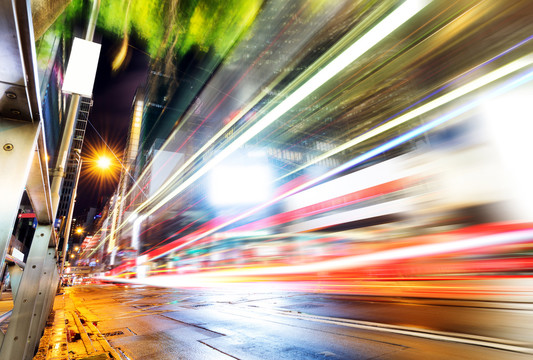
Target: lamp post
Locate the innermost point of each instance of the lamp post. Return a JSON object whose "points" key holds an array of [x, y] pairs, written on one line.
{"points": [[59, 173], [103, 163], [71, 210]]}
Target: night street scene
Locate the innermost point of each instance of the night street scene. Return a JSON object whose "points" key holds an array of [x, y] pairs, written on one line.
{"points": [[266, 179]]}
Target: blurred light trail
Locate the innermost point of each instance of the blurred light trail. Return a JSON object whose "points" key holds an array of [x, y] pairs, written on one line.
{"points": [[333, 195], [445, 99], [177, 214], [175, 234], [381, 30], [365, 67], [432, 105], [221, 132], [409, 252], [463, 240], [474, 85], [453, 114]]}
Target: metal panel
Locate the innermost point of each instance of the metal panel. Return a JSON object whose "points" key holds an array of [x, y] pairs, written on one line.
{"points": [[52, 291], [13, 103], [38, 187], [11, 71], [17, 144], [24, 30], [19, 96], [40, 313], [16, 338]]}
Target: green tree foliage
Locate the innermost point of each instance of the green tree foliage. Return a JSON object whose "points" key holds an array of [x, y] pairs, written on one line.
{"points": [[62, 28], [178, 25]]}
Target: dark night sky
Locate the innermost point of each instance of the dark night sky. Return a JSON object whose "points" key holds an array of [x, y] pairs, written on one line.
{"points": [[112, 99]]}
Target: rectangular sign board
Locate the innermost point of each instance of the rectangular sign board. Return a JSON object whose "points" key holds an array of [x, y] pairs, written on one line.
{"points": [[81, 69]]}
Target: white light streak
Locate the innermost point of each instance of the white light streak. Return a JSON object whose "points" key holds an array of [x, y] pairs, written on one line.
{"points": [[432, 105], [394, 20]]}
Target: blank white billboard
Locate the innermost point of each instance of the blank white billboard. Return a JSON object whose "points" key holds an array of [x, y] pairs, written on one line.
{"points": [[81, 69]]}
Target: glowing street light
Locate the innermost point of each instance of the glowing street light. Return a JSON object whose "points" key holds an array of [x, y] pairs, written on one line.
{"points": [[103, 162], [79, 230]]}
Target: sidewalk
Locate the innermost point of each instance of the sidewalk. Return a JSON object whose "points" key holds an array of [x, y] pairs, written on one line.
{"points": [[71, 333], [6, 305]]}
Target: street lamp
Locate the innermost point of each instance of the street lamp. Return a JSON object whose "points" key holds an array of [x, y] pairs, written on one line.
{"points": [[103, 162]]}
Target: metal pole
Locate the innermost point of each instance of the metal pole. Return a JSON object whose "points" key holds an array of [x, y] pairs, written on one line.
{"points": [[112, 236], [66, 140], [91, 26], [64, 149], [70, 212]]}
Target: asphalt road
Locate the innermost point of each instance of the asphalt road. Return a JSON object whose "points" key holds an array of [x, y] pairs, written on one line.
{"points": [[160, 323]]}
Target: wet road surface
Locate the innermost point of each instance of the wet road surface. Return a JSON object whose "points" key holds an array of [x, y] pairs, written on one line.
{"points": [[158, 323]]}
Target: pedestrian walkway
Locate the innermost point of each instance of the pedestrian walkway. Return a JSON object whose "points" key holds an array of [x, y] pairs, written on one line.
{"points": [[71, 333], [6, 305], [53, 344]]}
